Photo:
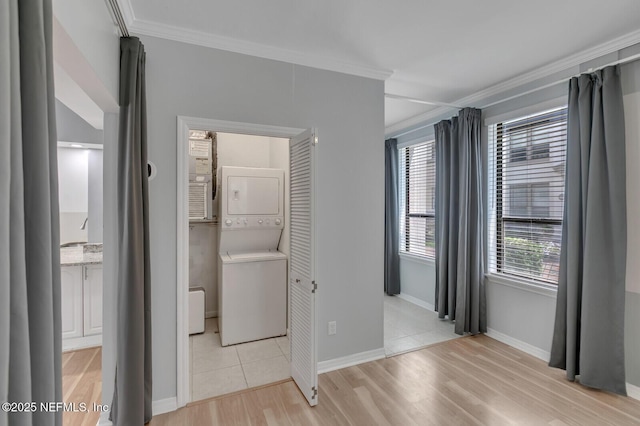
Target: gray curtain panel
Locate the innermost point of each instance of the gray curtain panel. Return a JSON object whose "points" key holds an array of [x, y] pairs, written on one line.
{"points": [[391, 225], [460, 289], [30, 320], [588, 338], [132, 395]]}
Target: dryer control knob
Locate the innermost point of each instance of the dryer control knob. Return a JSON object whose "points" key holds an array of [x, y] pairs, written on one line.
{"points": [[228, 222], [260, 221], [278, 221]]}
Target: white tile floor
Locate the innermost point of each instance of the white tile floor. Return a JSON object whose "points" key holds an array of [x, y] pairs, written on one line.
{"points": [[217, 370], [409, 327]]}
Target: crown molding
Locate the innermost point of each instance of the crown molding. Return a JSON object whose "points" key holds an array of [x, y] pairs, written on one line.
{"points": [[199, 38], [565, 64], [127, 12]]}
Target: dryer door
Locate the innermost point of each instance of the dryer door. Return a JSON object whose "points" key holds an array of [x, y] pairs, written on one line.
{"points": [[304, 367]]}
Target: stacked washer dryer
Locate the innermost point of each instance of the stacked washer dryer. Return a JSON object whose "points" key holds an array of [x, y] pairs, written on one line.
{"points": [[252, 273]]}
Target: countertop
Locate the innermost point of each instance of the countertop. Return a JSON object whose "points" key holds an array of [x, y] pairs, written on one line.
{"points": [[75, 256]]}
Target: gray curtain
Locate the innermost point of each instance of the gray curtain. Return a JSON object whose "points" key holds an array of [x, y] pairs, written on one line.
{"points": [[30, 320], [588, 338], [132, 395], [391, 225], [460, 291]]}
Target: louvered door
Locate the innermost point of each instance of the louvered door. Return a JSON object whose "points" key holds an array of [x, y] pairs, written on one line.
{"points": [[302, 286]]}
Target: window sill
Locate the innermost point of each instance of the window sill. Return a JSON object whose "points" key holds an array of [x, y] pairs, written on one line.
{"points": [[531, 286], [418, 259]]}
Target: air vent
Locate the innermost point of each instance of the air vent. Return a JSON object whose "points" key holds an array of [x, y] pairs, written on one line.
{"points": [[198, 201]]}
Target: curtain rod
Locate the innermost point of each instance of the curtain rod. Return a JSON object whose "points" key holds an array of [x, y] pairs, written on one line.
{"points": [[116, 15], [626, 60]]}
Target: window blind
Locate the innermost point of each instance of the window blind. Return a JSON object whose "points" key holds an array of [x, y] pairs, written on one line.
{"points": [[417, 179], [526, 195]]}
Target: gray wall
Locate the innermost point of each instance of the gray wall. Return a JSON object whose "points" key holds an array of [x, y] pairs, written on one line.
{"points": [[523, 315], [72, 128], [349, 113]]}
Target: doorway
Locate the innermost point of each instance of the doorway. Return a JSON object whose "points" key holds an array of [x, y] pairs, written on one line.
{"points": [[302, 365]]}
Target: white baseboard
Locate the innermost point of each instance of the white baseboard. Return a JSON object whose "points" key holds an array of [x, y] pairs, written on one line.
{"points": [[633, 391], [75, 343], [350, 360], [519, 344], [158, 407], [211, 314], [416, 301], [162, 406]]}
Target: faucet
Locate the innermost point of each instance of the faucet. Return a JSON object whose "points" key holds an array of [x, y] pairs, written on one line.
{"points": [[84, 224]]}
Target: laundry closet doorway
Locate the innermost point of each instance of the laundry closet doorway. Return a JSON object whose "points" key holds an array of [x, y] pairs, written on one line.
{"points": [[299, 226]]}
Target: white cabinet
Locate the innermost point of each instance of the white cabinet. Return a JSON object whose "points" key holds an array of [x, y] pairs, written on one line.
{"points": [[92, 300], [71, 293], [81, 292]]}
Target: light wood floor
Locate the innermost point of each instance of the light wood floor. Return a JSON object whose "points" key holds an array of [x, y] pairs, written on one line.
{"points": [[82, 383], [467, 381]]}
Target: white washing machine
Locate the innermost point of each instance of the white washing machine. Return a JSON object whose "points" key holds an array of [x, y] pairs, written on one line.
{"points": [[252, 274]]}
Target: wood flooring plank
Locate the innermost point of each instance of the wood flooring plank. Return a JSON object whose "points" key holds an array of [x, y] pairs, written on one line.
{"points": [[467, 381]]}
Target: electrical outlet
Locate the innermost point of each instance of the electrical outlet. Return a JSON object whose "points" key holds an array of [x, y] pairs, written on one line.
{"points": [[331, 328]]}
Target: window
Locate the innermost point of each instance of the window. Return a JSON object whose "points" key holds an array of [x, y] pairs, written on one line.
{"points": [[526, 191], [417, 174]]}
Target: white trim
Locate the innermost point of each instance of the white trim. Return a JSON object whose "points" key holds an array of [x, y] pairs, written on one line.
{"points": [[76, 343], [416, 258], [523, 284], [633, 391], [417, 140], [519, 344], [419, 302], [182, 227], [211, 314], [200, 38], [162, 406], [158, 407], [538, 108], [350, 360], [570, 64]]}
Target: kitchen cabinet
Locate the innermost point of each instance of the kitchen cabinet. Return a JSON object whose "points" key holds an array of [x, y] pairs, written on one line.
{"points": [[92, 300], [71, 294], [81, 292]]}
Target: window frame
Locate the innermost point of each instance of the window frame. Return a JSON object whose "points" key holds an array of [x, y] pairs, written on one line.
{"points": [[498, 192], [406, 215]]}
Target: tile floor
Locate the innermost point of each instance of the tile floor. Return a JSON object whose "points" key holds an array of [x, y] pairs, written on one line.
{"points": [[217, 370], [408, 327]]}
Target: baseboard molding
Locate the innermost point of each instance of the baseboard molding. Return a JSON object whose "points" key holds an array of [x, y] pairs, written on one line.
{"points": [[211, 314], [162, 406], [417, 301], [76, 343], [350, 360], [633, 391], [519, 344]]}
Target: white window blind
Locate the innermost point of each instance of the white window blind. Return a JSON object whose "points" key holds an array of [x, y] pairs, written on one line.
{"points": [[526, 191], [417, 179]]}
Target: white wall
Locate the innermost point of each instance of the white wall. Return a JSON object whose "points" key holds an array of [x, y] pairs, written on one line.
{"points": [[86, 47], [349, 113], [95, 196], [73, 180]]}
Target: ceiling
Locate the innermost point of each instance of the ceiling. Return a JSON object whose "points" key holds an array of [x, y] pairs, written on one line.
{"points": [[439, 51]]}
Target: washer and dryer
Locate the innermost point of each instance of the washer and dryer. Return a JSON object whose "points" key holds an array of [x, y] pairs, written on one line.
{"points": [[252, 273]]}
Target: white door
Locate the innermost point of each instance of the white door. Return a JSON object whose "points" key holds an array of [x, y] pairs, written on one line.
{"points": [[71, 301], [92, 300], [304, 367]]}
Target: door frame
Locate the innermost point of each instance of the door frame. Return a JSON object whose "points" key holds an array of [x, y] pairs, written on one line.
{"points": [[184, 124]]}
